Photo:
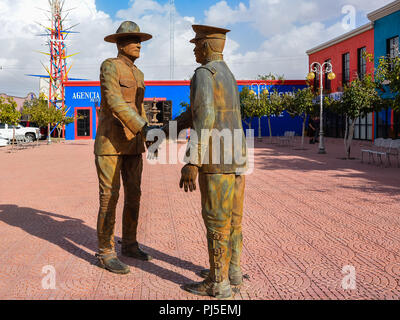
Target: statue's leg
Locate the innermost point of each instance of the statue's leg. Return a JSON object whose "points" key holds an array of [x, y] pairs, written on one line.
{"points": [[131, 170], [236, 237], [108, 172], [217, 192]]}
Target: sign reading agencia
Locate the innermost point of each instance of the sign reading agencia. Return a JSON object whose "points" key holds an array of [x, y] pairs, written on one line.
{"points": [[92, 96]]}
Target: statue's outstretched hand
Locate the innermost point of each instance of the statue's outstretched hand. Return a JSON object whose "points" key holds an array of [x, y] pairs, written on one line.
{"points": [[188, 177], [151, 154]]}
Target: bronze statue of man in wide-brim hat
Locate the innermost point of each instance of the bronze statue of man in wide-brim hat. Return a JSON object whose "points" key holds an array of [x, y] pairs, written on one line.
{"points": [[119, 145], [215, 105]]}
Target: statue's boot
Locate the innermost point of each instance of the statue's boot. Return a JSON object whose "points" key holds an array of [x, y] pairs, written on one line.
{"points": [[235, 277], [217, 283], [219, 290], [105, 232], [130, 216], [134, 251], [111, 263], [235, 245]]}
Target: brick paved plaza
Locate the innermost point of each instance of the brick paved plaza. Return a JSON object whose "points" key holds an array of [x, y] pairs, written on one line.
{"points": [[306, 217]]}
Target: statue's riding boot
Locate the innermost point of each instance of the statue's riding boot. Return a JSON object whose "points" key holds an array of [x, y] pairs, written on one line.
{"points": [[105, 233], [111, 263], [134, 251], [235, 245], [217, 283]]}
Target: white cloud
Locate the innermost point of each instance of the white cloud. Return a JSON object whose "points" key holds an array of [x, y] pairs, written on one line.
{"points": [[289, 28], [279, 31]]}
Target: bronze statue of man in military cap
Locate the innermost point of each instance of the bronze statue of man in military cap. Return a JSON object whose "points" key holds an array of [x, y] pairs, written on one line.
{"points": [[119, 145], [215, 107]]}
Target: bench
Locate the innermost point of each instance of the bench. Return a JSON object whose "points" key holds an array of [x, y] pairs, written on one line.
{"points": [[383, 148], [287, 137], [20, 140], [376, 147]]}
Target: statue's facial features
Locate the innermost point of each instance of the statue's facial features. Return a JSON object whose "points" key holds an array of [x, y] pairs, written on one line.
{"points": [[130, 47], [201, 51], [207, 50]]}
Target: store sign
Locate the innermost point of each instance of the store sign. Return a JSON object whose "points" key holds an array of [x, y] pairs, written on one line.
{"points": [[92, 96]]}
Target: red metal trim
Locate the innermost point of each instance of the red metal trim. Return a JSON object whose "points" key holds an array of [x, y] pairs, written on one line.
{"points": [[76, 126], [187, 83], [167, 83], [272, 82]]}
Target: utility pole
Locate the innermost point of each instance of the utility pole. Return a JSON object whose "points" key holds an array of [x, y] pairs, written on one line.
{"points": [[172, 38]]}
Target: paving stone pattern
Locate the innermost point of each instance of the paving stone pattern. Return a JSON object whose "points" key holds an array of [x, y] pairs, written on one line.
{"points": [[306, 217]]}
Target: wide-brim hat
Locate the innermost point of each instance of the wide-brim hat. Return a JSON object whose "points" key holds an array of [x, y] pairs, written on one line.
{"points": [[128, 29], [208, 32]]}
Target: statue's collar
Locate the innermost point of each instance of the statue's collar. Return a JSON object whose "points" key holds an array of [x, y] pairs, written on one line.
{"points": [[126, 60]]}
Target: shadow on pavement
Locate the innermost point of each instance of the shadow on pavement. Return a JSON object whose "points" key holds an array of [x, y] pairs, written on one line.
{"points": [[70, 233]]}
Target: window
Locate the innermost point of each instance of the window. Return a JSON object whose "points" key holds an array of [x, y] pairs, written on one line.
{"points": [[2, 126], [327, 81], [392, 47], [363, 128], [362, 62], [346, 68]]}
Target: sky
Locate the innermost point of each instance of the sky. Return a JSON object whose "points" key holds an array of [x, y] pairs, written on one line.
{"points": [[266, 35]]}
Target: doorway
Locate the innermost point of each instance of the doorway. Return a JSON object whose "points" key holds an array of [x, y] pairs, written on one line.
{"points": [[83, 123]]}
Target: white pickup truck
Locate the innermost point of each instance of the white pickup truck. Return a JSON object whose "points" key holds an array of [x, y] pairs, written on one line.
{"points": [[6, 132]]}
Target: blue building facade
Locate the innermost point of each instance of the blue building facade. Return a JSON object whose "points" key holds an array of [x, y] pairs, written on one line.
{"points": [[83, 99], [386, 44]]}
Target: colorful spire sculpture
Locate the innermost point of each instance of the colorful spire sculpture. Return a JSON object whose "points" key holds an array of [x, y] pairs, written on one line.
{"points": [[58, 69], [58, 72]]}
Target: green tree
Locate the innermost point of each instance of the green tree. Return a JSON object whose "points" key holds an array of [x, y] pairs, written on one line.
{"points": [[62, 119], [248, 106], [359, 98], [302, 106], [387, 76], [272, 106], [271, 76], [39, 111], [9, 113], [184, 106]]}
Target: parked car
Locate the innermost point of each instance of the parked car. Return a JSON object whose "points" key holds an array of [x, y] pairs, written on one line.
{"points": [[43, 130], [31, 133], [3, 142]]}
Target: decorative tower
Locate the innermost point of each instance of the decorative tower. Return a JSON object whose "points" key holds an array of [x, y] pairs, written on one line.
{"points": [[57, 71]]}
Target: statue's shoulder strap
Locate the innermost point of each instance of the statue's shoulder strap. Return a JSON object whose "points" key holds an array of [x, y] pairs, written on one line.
{"points": [[209, 68]]}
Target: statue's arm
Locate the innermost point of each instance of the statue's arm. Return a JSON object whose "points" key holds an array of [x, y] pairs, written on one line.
{"points": [[203, 115], [115, 101], [184, 120]]}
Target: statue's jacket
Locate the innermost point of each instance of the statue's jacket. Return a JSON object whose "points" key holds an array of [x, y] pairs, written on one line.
{"points": [[122, 114], [215, 110]]}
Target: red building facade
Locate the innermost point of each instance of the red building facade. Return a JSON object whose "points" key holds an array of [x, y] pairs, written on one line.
{"points": [[348, 56]]}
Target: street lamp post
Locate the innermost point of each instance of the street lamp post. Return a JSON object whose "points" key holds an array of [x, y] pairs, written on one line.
{"points": [[260, 88], [321, 69]]}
